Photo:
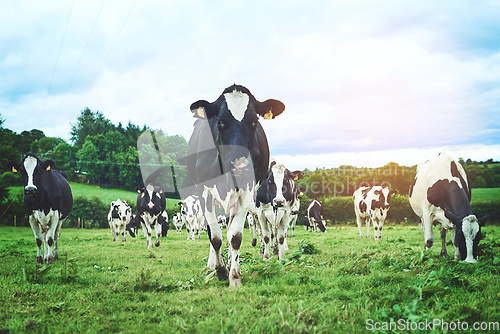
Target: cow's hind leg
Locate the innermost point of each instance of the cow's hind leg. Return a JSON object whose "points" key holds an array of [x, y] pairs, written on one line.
{"points": [[51, 236], [158, 233], [56, 240], [360, 225]]}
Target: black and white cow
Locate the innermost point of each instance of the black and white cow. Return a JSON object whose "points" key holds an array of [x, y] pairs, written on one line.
{"points": [[119, 216], [178, 222], [372, 204], [315, 216], [222, 221], [295, 211], [47, 200], [274, 202], [228, 157], [440, 193], [150, 204], [163, 221], [192, 215]]}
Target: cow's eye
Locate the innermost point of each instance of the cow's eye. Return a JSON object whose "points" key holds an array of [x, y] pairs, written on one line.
{"points": [[220, 124]]}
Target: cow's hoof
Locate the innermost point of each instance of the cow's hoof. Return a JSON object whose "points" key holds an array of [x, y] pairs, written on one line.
{"points": [[235, 281], [157, 244], [39, 260], [254, 242], [50, 260], [222, 273], [56, 256], [444, 253]]}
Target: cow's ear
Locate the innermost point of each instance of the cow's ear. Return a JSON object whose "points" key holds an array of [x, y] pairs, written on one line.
{"points": [[482, 220], [48, 164], [13, 166], [202, 109], [139, 190], [180, 203], [269, 109], [297, 175]]}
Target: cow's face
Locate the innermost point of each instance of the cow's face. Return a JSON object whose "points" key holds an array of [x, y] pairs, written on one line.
{"points": [[467, 237], [149, 199], [31, 170], [234, 120], [281, 184], [189, 207]]}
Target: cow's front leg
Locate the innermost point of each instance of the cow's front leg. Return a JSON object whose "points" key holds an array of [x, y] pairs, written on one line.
{"points": [[158, 233], [38, 237], [124, 231], [281, 237], [457, 250], [50, 237], [265, 234], [235, 236], [112, 227], [367, 222], [215, 260], [428, 233], [444, 252], [148, 229]]}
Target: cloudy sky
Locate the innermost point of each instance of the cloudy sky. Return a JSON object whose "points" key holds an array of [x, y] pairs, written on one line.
{"points": [[364, 82]]}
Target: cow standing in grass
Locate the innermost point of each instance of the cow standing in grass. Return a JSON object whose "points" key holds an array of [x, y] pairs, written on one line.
{"points": [[151, 203], [274, 201], [315, 216], [119, 216], [440, 193], [228, 157], [47, 201], [371, 204]]}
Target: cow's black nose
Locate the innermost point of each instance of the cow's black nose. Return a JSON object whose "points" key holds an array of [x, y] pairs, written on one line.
{"points": [[278, 203], [30, 191]]}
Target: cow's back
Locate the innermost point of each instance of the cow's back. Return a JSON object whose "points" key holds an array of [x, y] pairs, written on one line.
{"points": [[57, 192], [442, 167]]}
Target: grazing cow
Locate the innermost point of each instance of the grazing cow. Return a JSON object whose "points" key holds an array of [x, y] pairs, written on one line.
{"points": [[372, 204], [47, 201], [134, 224], [192, 216], [315, 216], [440, 193], [118, 217], [150, 204], [274, 202], [228, 156], [178, 222]]}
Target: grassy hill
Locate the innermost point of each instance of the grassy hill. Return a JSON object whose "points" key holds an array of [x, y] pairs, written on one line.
{"points": [[105, 195]]}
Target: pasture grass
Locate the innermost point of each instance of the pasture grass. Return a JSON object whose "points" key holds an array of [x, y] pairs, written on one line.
{"points": [[328, 283], [485, 194]]}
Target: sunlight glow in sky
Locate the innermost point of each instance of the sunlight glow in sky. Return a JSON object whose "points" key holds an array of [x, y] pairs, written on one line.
{"points": [[368, 81]]}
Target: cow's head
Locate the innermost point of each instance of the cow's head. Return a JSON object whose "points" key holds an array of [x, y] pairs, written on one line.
{"points": [[384, 196], [281, 184], [149, 199], [467, 234], [190, 207], [31, 170], [234, 121], [120, 210]]}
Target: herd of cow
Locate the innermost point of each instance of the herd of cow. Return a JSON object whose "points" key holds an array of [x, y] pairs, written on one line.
{"points": [[229, 163]]}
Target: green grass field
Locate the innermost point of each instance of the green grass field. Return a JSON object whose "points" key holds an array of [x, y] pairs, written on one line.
{"points": [[351, 286], [486, 194]]}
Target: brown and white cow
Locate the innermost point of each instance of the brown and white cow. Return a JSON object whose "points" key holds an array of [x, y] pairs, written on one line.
{"points": [[372, 204], [440, 193]]}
